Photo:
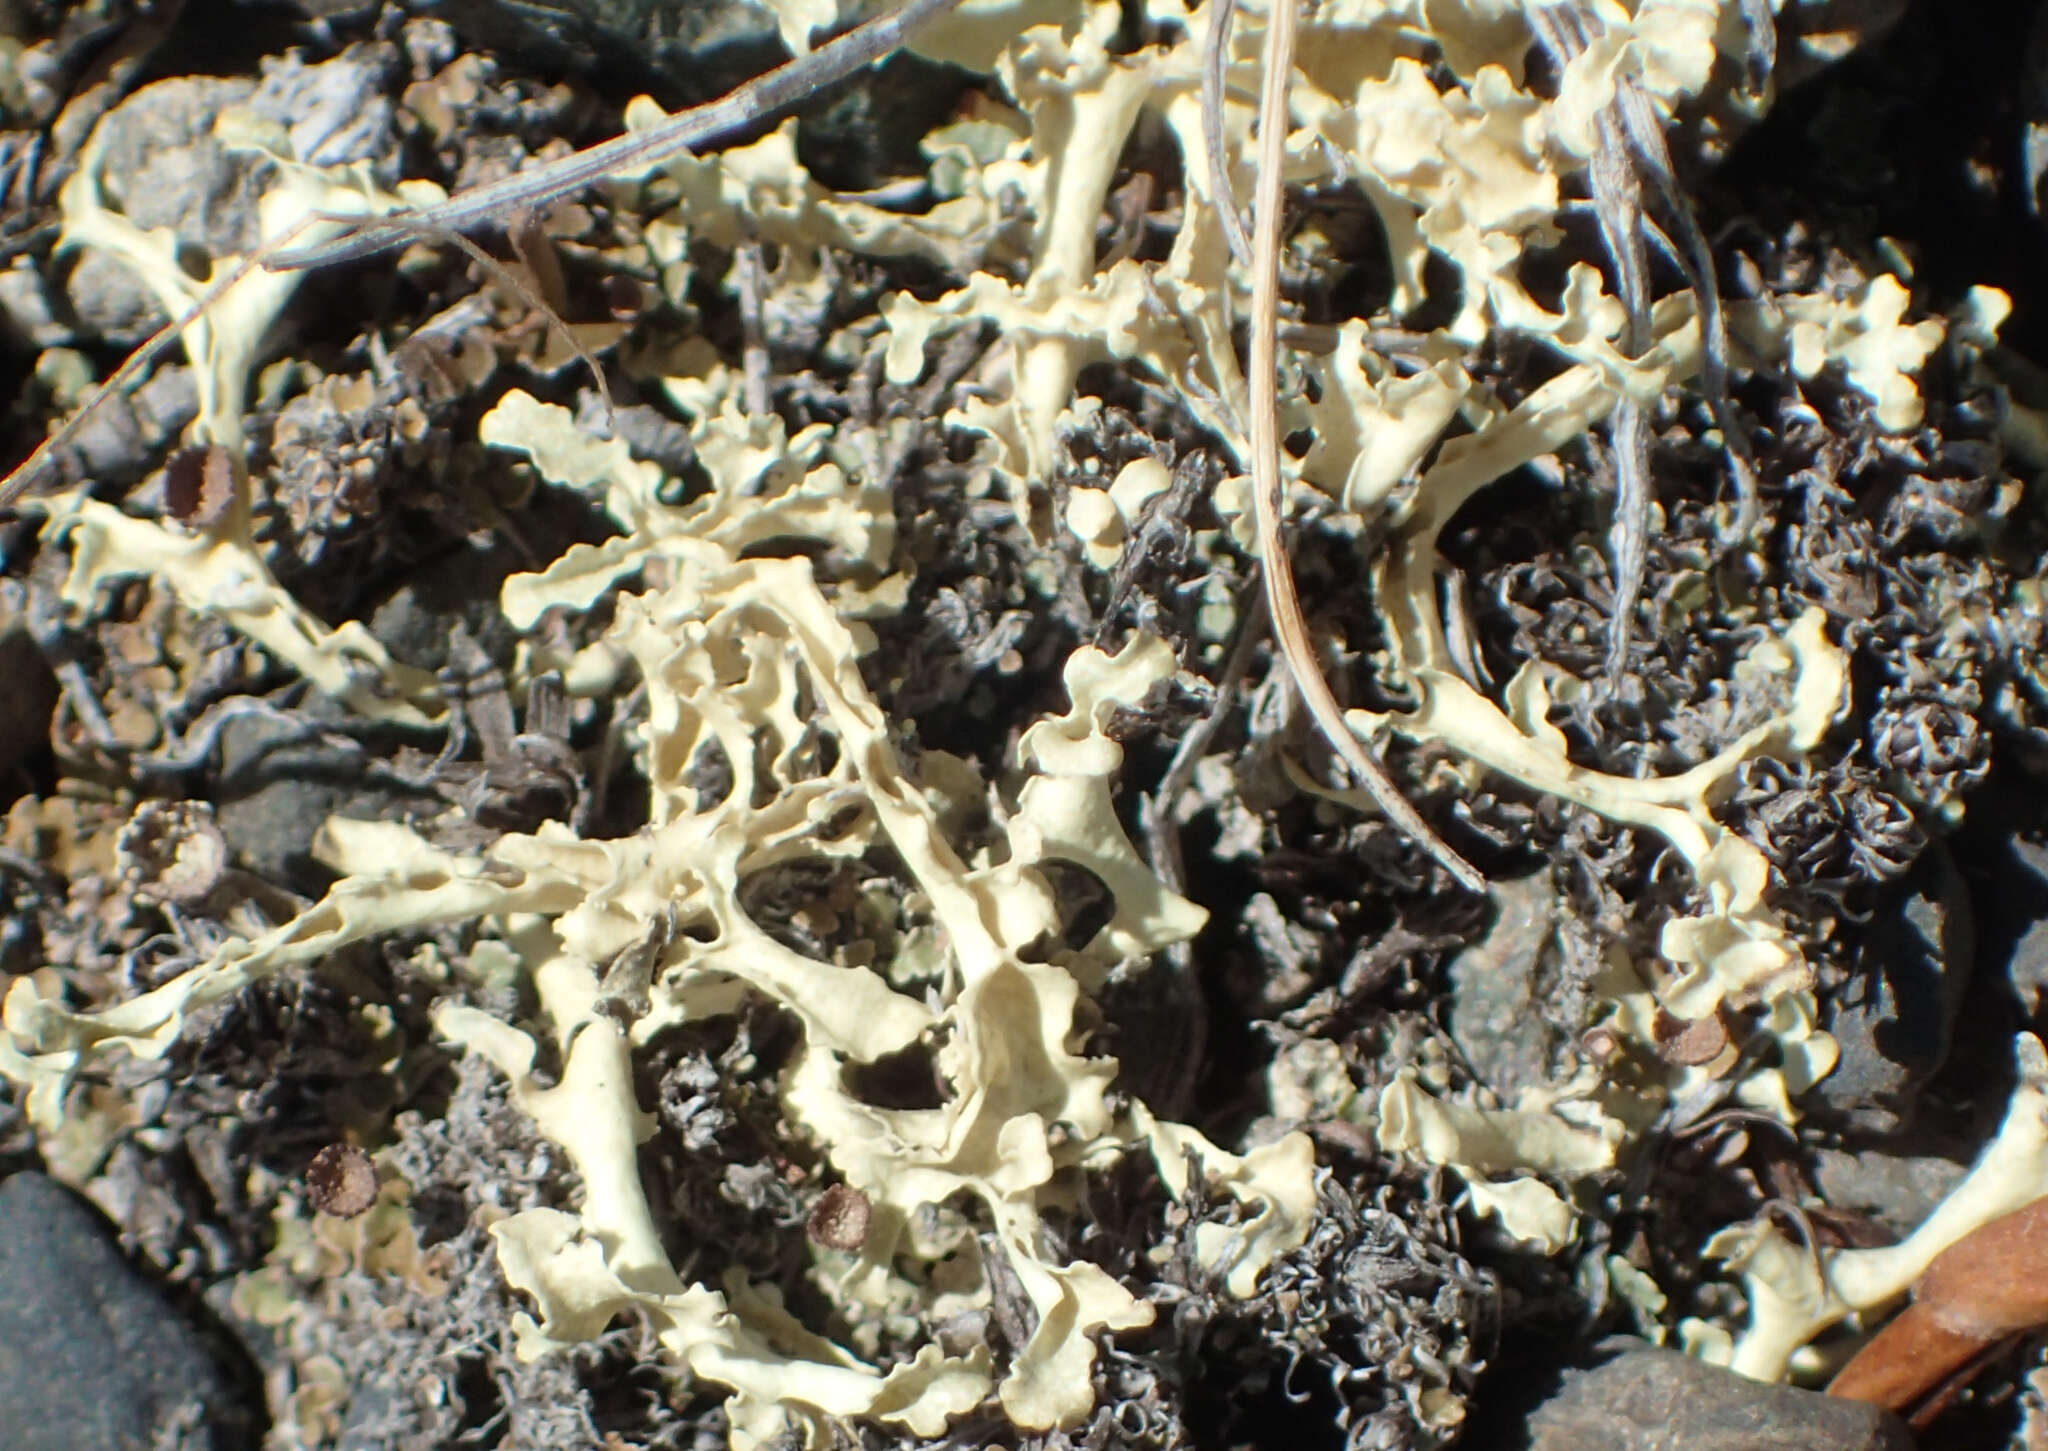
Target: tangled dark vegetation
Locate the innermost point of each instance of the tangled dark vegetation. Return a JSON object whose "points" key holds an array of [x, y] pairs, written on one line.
{"points": [[791, 621]]}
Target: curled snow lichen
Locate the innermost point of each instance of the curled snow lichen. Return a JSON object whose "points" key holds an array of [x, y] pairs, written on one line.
{"points": [[216, 568], [751, 658], [754, 655], [1796, 1293]]}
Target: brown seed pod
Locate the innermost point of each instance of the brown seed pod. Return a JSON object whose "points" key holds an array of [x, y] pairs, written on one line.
{"points": [[839, 1220], [341, 1181]]}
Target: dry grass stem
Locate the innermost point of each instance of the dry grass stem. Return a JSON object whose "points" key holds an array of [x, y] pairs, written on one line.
{"points": [[38, 463], [31, 469], [1215, 61], [1630, 146], [1290, 629]]}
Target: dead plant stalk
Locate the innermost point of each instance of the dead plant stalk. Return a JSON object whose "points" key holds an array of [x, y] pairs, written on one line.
{"points": [[1290, 629]]}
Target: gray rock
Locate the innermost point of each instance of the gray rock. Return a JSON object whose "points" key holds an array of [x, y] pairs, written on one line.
{"points": [[1496, 1014], [1897, 1190], [457, 590], [335, 112], [1896, 1017], [2022, 912], [92, 1356], [28, 311], [1647, 1399], [116, 443], [165, 168], [278, 783], [683, 52]]}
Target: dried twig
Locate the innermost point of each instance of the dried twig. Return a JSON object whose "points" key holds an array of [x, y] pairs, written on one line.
{"points": [[1628, 438], [1290, 629], [1162, 843], [38, 463], [42, 460], [535, 297], [1792, 1210], [1629, 145], [1653, 156], [738, 108], [1163, 853], [749, 284], [1618, 206]]}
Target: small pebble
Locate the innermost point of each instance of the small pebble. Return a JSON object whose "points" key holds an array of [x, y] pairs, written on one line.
{"points": [[93, 1357], [1647, 1399]]}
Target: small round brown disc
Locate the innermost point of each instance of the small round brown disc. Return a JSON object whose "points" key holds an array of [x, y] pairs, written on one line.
{"points": [[342, 1181], [839, 1220]]}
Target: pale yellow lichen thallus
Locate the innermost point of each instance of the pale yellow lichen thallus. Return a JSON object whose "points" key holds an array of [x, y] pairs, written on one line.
{"points": [[1424, 106]]}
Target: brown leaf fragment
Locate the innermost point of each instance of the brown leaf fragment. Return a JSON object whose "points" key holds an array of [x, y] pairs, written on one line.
{"points": [[1690, 1042]]}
